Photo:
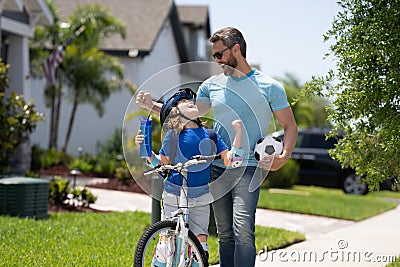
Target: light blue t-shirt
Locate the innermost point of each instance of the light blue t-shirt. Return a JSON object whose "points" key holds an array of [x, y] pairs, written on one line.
{"points": [[251, 98]]}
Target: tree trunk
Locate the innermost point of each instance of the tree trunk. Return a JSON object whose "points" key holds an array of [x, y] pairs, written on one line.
{"points": [[57, 116], [71, 122], [52, 110]]}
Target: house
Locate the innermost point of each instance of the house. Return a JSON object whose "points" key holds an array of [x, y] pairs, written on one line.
{"points": [[17, 21], [161, 38]]}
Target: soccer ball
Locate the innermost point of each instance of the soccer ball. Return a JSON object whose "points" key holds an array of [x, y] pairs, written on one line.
{"points": [[267, 146]]}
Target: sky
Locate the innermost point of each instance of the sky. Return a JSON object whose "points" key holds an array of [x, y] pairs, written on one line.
{"points": [[282, 36]]}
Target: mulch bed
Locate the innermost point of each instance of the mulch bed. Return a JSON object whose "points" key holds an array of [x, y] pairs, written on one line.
{"points": [[115, 184], [70, 208], [63, 171]]}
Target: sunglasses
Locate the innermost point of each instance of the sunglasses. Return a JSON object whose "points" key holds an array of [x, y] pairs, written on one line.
{"points": [[219, 54]]}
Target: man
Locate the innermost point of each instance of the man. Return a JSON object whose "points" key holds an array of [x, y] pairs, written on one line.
{"points": [[244, 93], [248, 94]]}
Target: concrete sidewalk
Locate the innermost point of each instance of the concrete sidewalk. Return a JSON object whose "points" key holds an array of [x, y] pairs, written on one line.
{"points": [[330, 242], [371, 242], [120, 201]]}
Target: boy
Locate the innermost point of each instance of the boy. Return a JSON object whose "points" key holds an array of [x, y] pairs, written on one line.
{"points": [[180, 116]]}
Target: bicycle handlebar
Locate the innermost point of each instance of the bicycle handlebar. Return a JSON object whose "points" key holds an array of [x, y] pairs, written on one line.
{"points": [[198, 159], [207, 158]]}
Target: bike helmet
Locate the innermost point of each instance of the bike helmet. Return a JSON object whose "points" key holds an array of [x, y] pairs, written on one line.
{"points": [[172, 101]]}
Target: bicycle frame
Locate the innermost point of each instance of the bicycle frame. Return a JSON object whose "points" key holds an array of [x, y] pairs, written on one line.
{"points": [[181, 215], [182, 227]]}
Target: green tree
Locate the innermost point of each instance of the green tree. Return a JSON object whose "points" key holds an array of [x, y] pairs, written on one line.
{"points": [[307, 112], [90, 75], [365, 87], [87, 81], [17, 120]]}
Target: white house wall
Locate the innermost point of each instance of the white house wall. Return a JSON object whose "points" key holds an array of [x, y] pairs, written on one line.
{"points": [[89, 129]]}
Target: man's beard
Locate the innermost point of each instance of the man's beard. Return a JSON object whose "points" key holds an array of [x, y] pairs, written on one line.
{"points": [[230, 66]]}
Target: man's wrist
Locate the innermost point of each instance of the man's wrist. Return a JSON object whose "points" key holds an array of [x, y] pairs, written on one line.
{"points": [[237, 151], [153, 163]]}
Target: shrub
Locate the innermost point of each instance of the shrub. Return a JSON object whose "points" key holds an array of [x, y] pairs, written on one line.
{"points": [[52, 157], [122, 172], [109, 156], [88, 197], [285, 177], [82, 197], [59, 190], [32, 174], [62, 193], [17, 120], [82, 165], [105, 165], [113, 145]]}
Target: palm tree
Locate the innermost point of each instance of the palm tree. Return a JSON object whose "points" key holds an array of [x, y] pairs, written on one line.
{"points": [[87, 82], [85, 68]]}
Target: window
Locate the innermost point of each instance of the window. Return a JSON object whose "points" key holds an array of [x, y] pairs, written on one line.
{"points": [[320, 141]]}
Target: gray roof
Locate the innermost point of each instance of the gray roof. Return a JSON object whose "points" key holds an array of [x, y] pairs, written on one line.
{"points": [[144, 20], [194, 16]]}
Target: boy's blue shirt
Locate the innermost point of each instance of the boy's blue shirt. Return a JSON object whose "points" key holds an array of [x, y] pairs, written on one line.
{"points": [[192, 142]]}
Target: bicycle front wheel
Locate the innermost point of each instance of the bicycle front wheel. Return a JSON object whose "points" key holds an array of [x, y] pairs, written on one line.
{"points": [[158, 246]]}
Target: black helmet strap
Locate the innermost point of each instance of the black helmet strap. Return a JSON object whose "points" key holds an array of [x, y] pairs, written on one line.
{"points": [[197, 120]]}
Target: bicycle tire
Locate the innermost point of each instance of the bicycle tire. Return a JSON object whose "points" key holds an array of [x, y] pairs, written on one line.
{"points": [[150, 235]]}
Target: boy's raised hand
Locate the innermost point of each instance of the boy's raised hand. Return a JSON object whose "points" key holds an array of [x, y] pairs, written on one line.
{"points": [[237, 125]]}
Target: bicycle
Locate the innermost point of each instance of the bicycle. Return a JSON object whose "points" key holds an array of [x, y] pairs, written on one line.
{"points": [[172, 239]]}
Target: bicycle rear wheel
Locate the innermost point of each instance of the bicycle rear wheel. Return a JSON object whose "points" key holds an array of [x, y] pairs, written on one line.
{"points": [[158, 243]]}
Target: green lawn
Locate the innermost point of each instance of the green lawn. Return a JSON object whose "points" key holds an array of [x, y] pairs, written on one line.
{"points": [[386, 194], [109, 239], [396, 263], [326, 202], [94, 239]]}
